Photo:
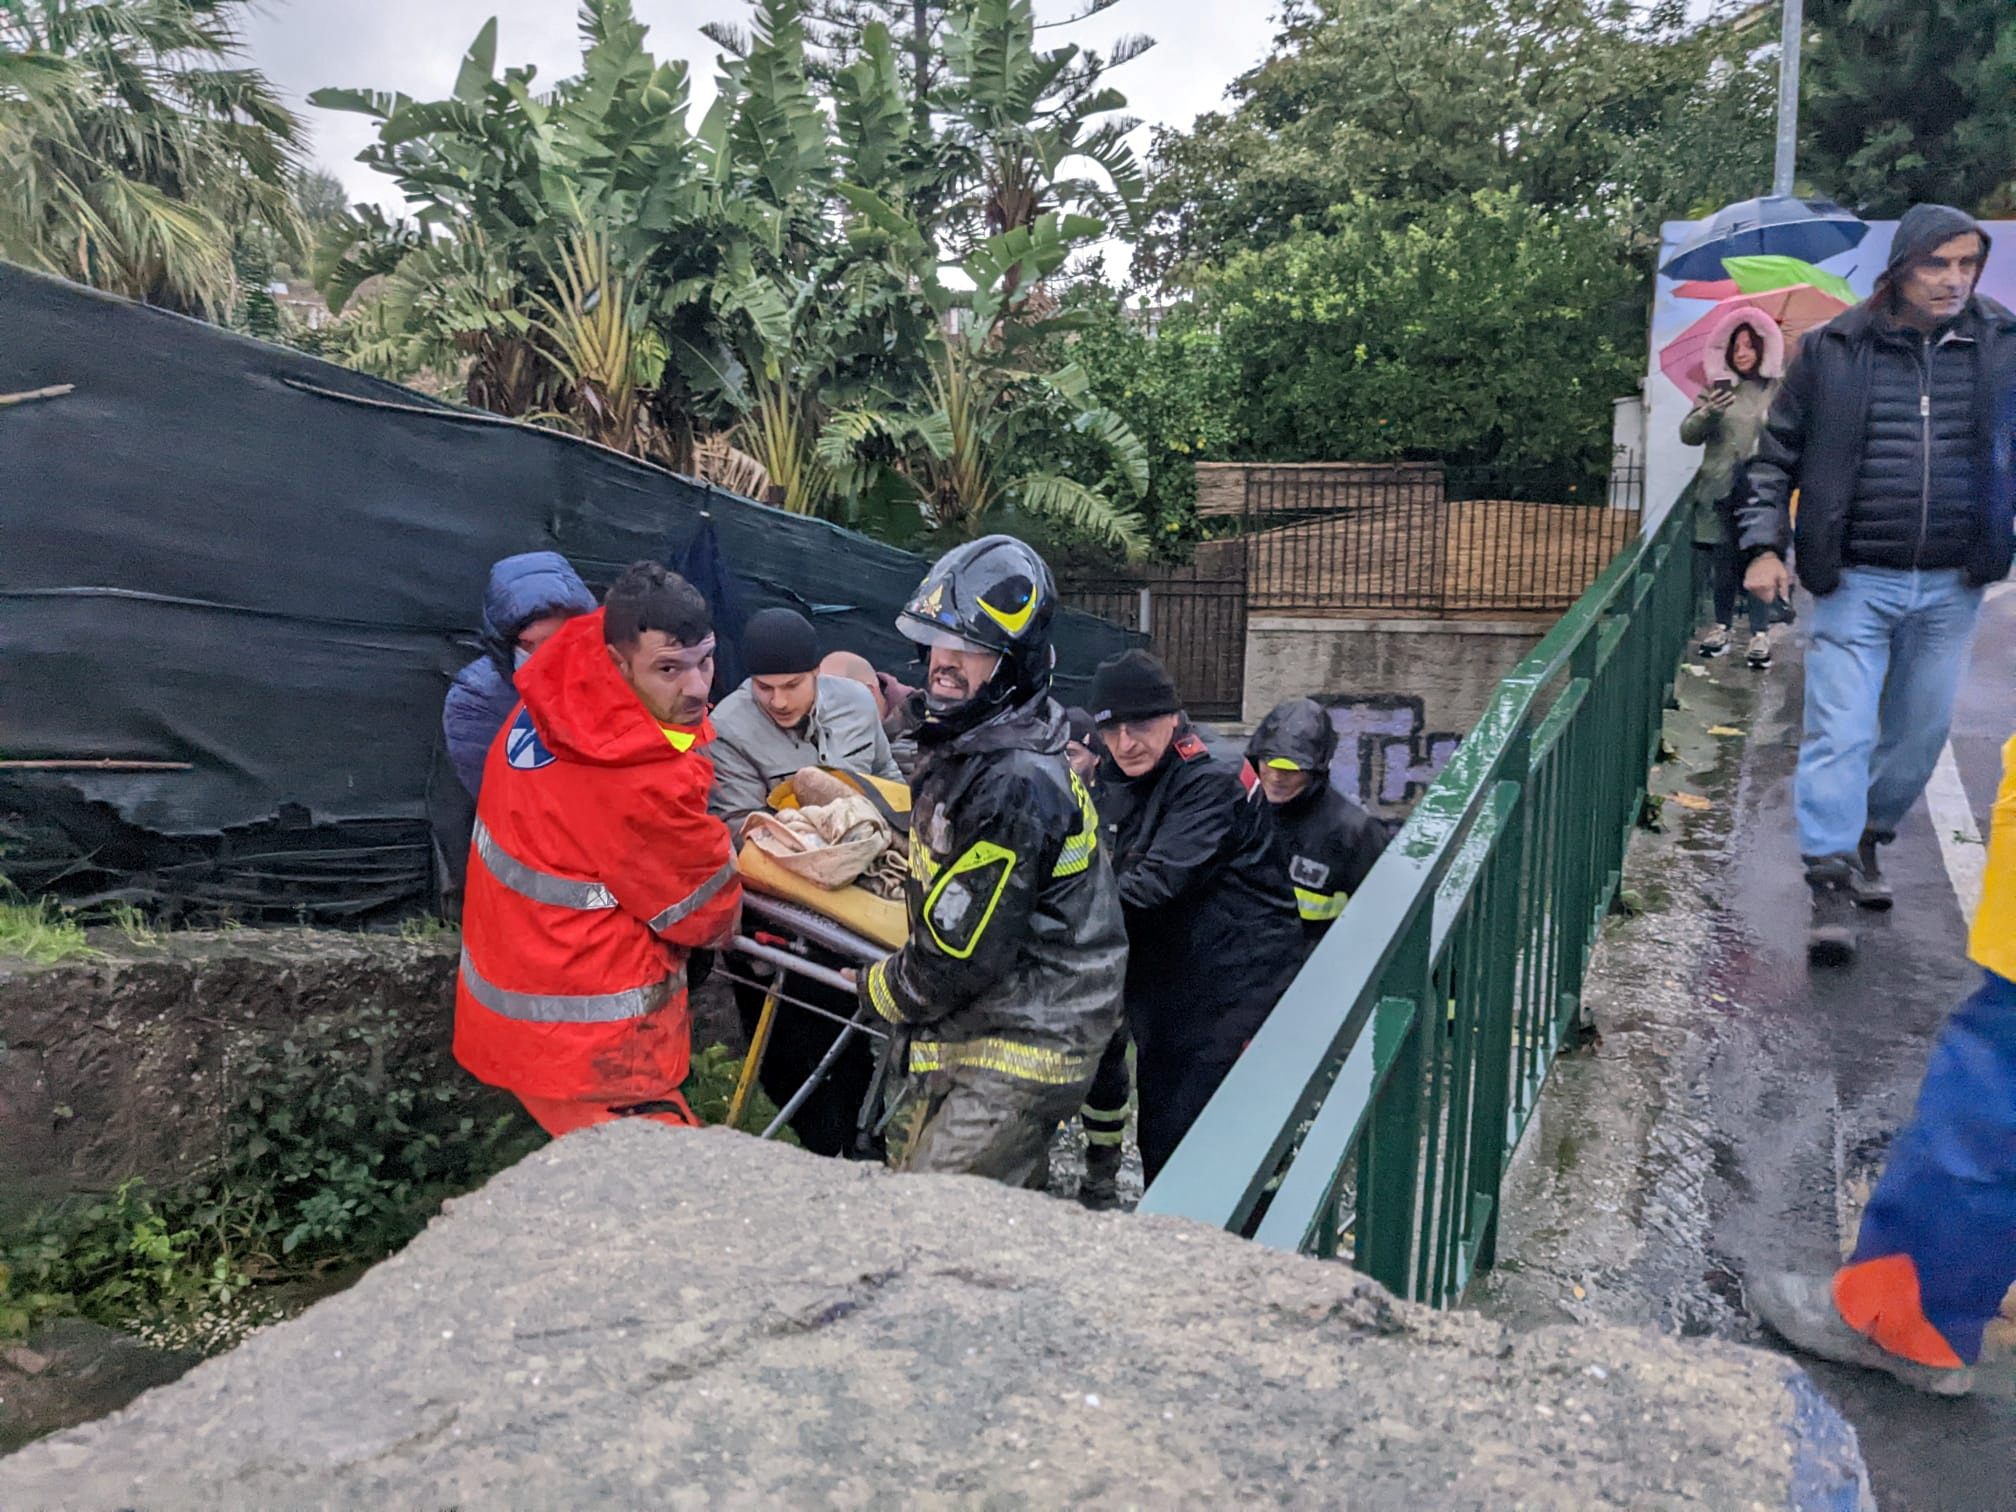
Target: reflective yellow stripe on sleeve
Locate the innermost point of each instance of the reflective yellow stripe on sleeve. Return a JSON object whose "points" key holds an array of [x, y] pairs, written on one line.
{"points": [[1320, 908], [1076, 856], [1009, 1057], [879, 996]]}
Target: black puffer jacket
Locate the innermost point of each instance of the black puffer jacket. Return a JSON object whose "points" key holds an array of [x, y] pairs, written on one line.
{"points": [[1889, 436], [1017, 946], [1214, 936], [1917, 497]]}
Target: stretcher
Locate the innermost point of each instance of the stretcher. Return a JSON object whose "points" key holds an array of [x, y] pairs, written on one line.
{"points": [[789, 924]]}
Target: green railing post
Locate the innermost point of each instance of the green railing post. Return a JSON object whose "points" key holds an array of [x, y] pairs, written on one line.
{"points": [[1389, 1156]]}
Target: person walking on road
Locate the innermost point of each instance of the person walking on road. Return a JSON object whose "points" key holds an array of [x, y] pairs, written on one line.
{"points": [[1214, 935], [1886, 425], [1936, 1253], [1746, 359]]}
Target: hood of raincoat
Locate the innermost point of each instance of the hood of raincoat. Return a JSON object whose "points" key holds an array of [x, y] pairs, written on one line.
{"points": [[1299, 731], [584, 711], [524, 588], [1770, 344]]}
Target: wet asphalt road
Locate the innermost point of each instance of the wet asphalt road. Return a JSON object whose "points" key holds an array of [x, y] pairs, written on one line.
{"points": [[1737, 1108]]}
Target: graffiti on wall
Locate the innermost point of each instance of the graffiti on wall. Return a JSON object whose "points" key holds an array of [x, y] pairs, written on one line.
{"points": [[1386, 756]]}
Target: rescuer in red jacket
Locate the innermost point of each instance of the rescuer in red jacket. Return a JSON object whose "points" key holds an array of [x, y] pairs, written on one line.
{"points": [[596, 869]]}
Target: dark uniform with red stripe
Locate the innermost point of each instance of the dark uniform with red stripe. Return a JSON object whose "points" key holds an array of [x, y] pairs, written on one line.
{"points": [[594, 872]]}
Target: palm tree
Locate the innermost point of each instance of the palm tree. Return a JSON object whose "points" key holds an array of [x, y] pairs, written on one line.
{"points": [[137, 145]]}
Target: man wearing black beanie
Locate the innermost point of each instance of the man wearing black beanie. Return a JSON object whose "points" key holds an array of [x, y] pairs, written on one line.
{"points": [[1214, 936], [786, 717]]}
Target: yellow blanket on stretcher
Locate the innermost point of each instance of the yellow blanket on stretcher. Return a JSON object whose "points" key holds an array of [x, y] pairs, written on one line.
{"points": [[883, 920]]}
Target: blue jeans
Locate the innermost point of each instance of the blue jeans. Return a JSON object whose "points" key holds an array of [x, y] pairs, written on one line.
{"points": [[1887, 653]]}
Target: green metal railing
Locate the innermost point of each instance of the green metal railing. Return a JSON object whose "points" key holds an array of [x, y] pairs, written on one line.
{"points": [[1378, 1107]]}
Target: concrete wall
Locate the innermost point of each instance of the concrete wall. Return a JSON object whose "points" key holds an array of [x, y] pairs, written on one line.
{"points": [[1401, 692]]}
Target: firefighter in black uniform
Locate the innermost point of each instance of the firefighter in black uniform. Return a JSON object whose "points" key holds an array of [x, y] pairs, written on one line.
{"points": [[1331, 842], [1213, 933], [1009, 986]]}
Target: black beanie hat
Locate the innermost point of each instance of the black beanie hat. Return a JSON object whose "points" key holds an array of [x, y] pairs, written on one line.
{"points": [[779, 643], [1133, 685]]}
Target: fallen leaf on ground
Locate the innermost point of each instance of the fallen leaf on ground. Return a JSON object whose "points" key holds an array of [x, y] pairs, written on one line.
{"points": [[1723, 730], [1692, 801]]}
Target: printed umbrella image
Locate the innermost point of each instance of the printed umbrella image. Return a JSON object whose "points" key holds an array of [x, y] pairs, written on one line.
{"points": [[1696, 354], [1776, 226]]}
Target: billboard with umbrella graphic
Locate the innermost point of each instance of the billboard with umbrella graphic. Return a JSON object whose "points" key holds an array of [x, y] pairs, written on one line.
{"points": [[1798, 262]]}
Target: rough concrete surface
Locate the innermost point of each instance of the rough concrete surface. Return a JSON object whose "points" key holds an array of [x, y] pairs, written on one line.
{"points": [[638, 1316], [119, 1064]]}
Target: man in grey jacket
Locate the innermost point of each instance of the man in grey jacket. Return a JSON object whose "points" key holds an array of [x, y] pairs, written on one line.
{"points": [[787, 716]]}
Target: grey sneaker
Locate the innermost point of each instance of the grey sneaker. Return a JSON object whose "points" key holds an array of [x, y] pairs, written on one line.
{"points": [[1800, 1310], [1715, 643], [1869, 887], [1759, 654], [1832, 940]]}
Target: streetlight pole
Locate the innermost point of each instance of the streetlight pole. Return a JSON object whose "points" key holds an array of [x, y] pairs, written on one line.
{"points": [[1788, 97]]}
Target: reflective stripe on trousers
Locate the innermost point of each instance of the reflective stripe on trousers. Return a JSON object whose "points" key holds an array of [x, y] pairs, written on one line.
{"points": [[571, 1008], [1009, 1057]]}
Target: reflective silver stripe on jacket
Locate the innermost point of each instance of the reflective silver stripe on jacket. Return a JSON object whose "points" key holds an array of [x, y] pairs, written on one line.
{"points": [[666, 917], [561, 1008], [539, 886]]}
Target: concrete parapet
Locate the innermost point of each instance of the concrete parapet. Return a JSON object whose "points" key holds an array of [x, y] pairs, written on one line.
{"points": [[638, 1316]]}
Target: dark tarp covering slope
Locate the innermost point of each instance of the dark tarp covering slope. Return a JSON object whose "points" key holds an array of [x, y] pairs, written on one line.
{"points": [[204, 560]]}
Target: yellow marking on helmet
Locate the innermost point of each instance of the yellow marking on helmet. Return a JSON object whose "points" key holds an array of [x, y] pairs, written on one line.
{"points": [[1017, 622], [1283, 764]]}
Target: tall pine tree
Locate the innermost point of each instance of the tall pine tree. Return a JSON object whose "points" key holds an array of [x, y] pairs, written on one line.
{"points": [[1910, 100]]}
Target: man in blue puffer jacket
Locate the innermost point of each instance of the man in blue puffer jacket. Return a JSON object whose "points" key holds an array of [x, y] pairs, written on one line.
{"points": [[530, 596]]}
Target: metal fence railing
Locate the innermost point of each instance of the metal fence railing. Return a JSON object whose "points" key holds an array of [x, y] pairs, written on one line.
{"points": [[1375, 1112], [1194, 618], [1419, 538]]}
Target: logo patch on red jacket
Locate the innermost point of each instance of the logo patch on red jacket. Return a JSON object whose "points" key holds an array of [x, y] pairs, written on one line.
{"points": [[1191, 748], [523, 748]]}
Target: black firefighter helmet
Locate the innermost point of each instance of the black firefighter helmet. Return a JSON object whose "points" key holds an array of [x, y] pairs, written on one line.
{"points": [[993, 594], [1296, 736]]}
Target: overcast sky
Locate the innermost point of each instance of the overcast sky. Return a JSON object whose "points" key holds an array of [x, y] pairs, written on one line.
{"points": [[414, 46]]}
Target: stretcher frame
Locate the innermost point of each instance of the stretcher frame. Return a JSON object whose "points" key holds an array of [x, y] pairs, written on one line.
{"points": [[802, 926]]}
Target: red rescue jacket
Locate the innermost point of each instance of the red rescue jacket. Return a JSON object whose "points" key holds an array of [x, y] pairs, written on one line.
{"points": [[595, 870]]}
